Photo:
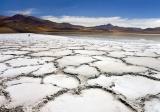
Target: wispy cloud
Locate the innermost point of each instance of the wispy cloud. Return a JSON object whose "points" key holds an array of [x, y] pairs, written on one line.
{"points": [[93, 21], [29, 11]]}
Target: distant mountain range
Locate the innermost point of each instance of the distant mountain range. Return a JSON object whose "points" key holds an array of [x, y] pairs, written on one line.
{"points": [[29, 24]]}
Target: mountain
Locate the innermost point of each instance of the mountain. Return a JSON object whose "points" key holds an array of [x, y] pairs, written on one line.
{"points": [[2, 17], [25, 24], [116, 29], [152, 30], [105, 27], [112, 28]]}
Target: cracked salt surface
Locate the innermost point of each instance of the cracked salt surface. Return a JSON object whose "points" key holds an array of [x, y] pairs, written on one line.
{"points": [[62, 81], [145, 61], [84, 70], [45, 69], [152, 106], [22, 80], [110, 65], [26, 62], [132, 87], [28, 94], [5, 57], [2, 100], [13, 72], [89, 52], [92, 100], [74, 60], [44, 73]]}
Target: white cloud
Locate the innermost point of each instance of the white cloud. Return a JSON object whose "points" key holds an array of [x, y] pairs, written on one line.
{"points": [[24, 12], [94, 21]]}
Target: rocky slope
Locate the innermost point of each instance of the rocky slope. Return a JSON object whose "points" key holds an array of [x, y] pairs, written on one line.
{"points": [[21, 23], [25, 24]]}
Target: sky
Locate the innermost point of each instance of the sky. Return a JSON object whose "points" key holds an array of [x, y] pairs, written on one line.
{"points": [[128, 13]]}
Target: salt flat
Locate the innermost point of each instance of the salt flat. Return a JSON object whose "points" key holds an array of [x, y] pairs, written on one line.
{"points": [[44, 73]]}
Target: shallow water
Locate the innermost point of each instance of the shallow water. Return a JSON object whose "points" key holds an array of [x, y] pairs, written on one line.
{"points": [[141, 37]]}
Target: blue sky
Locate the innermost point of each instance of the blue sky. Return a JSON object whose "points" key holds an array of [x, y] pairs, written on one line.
{"points": [[93, 8], [132, 12]]}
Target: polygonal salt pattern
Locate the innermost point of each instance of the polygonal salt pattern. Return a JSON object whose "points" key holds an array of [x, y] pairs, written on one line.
{"points": [[145, 61], [46, 68], [61, 80], [88, 101], [132, 87], [152, 105], [115, 66], [28, 94], [84, 70], [46, 73], [74, 60]]}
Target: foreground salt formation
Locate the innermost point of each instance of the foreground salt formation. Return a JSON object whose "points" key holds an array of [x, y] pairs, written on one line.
{"points": [[43, 73]]}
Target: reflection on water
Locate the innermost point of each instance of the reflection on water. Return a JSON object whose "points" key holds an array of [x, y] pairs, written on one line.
{"points": [[141, 37]]}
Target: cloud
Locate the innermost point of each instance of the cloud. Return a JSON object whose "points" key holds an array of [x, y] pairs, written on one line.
{"points": [[29, 11], [94, 21]]}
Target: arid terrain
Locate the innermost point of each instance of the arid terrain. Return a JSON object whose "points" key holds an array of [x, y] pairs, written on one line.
{"points": [[43, 73], [30, 24]]}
